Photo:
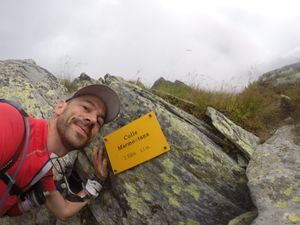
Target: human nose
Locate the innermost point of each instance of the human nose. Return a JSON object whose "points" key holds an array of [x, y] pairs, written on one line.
{"points": [[92, 117]]}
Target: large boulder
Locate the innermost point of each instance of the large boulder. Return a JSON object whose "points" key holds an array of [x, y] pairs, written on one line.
{"points": [[180, 186], [161, 82], [196, 182], [176, 88], [274, 173], [31, 85]]}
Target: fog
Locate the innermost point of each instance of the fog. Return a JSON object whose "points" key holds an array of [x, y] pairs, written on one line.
{"points": [[215, 44]]}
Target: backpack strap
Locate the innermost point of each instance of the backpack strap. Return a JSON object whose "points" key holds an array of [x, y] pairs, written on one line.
{"points": [[40, 174], [9, 180]]}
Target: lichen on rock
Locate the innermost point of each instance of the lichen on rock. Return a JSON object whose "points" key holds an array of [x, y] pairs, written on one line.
{"points": [[273, 174]]}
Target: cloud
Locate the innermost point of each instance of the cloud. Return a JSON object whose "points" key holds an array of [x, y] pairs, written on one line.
{"points": [[149, 39]]}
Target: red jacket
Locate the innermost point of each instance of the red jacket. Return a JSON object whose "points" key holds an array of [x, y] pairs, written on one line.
{"points": [[11, 134]]}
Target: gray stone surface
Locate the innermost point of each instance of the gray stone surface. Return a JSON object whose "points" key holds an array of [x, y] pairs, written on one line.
{"points": [[274, 178], [286, 104], [195, 183], [245, 141], [34, 87], [288, 75], [244, 219]]}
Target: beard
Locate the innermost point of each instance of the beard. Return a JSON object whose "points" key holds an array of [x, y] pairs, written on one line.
{"points": [[67, 131]]}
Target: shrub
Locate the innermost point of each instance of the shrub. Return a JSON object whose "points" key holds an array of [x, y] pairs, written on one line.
{"points": [[70, 85]]}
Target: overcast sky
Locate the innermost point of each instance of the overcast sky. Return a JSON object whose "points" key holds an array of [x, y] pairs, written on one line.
{"points": [[207, 43]]}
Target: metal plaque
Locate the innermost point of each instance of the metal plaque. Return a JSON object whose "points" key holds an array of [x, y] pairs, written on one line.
{"points": [[135, 143]]}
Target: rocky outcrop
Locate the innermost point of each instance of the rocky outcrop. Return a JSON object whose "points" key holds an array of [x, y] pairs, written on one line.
{"points": [[245, 141], [273, 174], [287, 75], [84, 76], [286, 104], [34, 87], [196, 182], [161, 82]]}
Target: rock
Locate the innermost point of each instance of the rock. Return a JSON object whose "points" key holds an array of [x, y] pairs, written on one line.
{"points": [[245, 141], [241, 161], [196, 182], [273, 174], [161, 82], [178, 82], [34, 87], [84, 76], [30, 61], [286, 104], [29, 69], [64, 165], [286, 76], [244, 219], [289, 121]]}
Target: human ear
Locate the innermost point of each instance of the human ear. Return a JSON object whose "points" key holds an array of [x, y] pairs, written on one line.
{"points": [[60, 106]]}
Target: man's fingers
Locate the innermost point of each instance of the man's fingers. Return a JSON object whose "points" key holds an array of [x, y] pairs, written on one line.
{"points": [[103, 171], [99, 160], [100, 163], [94, 157], [100, 155]]}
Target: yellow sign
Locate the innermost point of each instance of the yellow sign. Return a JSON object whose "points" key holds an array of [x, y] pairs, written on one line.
{"points": [[135, 143]]}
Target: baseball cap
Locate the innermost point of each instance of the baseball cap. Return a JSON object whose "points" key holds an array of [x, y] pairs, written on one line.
{"points": [[106, 94]]}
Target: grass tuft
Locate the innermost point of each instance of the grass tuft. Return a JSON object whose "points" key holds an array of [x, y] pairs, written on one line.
{"points": [[256, 108], [70, 85]]}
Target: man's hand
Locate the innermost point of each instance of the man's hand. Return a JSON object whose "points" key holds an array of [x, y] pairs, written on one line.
{"points": [[100, 164]]}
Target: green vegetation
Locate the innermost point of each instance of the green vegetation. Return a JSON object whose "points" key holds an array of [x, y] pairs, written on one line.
{"points": [[281, 204], [294, 218], [177, 89], [70, 85], [138, 83], [256, 108]]}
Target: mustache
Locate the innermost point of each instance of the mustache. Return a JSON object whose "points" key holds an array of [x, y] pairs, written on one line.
{"points": [[84, 123]]}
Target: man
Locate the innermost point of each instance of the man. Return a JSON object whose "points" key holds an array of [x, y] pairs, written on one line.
{"points": [[75, 123]]}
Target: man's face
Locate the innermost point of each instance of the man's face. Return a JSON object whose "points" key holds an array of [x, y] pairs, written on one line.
{"points": [[79, 121]]}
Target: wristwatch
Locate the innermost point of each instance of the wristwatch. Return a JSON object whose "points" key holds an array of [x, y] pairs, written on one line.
{"points": [[77, 198]]}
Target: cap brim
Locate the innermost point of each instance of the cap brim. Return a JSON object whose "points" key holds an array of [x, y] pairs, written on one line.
{"points": [[106, 94]]}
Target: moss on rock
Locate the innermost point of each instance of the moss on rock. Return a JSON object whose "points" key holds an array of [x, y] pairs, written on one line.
{"points": [[294, 218], [189, 222], [288, 192], [193, 191], [281, 204]]}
